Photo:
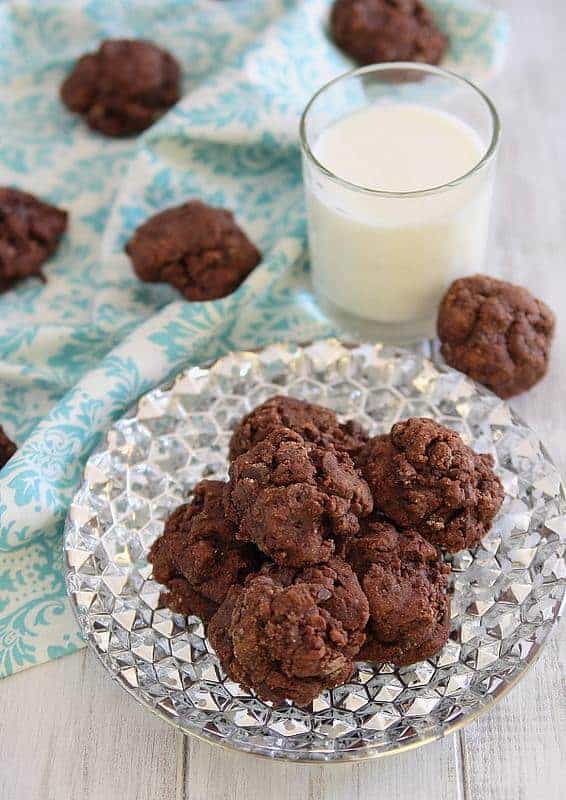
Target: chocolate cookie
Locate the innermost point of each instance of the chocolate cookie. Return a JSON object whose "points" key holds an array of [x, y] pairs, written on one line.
{"points": [[7, 448], [124, 87], [314, 423], [294, 499], [406, 584], [291, 634], [198, 557], [423, 476], [374, 31], [30, 231], [495, 332], [198, 249]]}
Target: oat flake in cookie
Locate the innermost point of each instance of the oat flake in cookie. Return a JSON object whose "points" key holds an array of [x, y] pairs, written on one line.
{"points": [[30, 231], [375, 31], [424, 477], [123, 87], [497, 333], [198, 249], [7, 448]]}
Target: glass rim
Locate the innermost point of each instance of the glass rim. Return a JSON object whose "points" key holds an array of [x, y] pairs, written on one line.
{"points": [[423, 68]]}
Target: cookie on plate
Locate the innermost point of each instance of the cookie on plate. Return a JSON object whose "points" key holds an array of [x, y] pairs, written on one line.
{"points": [[406, 584], [296, 501], [314, 423], [290, 634], [198, 557], [423, 476]]}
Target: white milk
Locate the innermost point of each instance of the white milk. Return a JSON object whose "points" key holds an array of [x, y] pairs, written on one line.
{"points": [[389, 259]]}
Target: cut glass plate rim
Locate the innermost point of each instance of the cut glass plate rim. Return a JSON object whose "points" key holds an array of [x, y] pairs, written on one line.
{"points": [[322, 755]]}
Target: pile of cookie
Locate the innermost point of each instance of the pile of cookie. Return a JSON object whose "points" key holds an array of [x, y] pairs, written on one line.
{"points": [[325, 546]]}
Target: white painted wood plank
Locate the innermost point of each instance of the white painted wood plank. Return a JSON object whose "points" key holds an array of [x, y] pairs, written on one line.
{"points": [[68, 732], [518, 750], [214, 774]]}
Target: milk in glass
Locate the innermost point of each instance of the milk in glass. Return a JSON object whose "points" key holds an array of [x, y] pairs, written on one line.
{"points": [[389, 257]]}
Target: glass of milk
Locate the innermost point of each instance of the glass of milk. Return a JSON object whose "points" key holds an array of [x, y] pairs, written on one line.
{"points": [[398, 164]]}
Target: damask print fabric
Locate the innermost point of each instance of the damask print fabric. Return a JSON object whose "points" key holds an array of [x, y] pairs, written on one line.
{"points": [[77, 352]]}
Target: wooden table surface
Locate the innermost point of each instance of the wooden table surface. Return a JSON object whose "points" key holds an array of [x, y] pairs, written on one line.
{"points": [[68, 732]]}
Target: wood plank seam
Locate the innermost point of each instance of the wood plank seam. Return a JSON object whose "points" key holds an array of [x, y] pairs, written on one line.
{"points": [[182, 747], [461, 766]]}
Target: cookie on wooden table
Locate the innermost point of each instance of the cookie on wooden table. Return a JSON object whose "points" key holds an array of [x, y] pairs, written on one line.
{"points": [[497, 333]]}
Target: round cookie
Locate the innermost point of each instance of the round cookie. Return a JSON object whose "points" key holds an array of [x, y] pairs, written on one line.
{"points": [[314, 423], [198, 249], [124, 87], [198, 557], [423, 476], [30, 231], [7, 448], [495, 332], [375, 31], [291, 634], [406, 584], [293, 499]]}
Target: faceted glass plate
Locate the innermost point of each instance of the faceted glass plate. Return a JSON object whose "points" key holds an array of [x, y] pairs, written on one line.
{"points": [[507, 593]]}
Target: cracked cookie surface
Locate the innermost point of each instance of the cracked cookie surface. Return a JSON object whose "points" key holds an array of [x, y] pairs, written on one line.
{"points": [[123, 87], [375, 31], [406, 584], [290, 634], [198, 249], [198, 557], [314, 423], [423, 476], [294, 500], [497, 333], [30, 231]]}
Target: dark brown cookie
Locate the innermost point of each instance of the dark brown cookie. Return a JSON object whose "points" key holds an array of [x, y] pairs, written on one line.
{"points": [[495, 332], [314, 423], [7, 448], [423, 476], [198, 557], [30, 231], [294, 499], [406, 584], [291, 634], [198, 249], [124, 87], [375, 31], [345, 601]]}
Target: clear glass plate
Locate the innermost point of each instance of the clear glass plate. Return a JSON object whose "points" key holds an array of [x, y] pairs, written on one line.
{"points": [[507, 593]]}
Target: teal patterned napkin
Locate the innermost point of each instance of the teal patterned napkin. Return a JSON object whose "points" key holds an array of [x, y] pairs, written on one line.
{"points": [[77, 352]]}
